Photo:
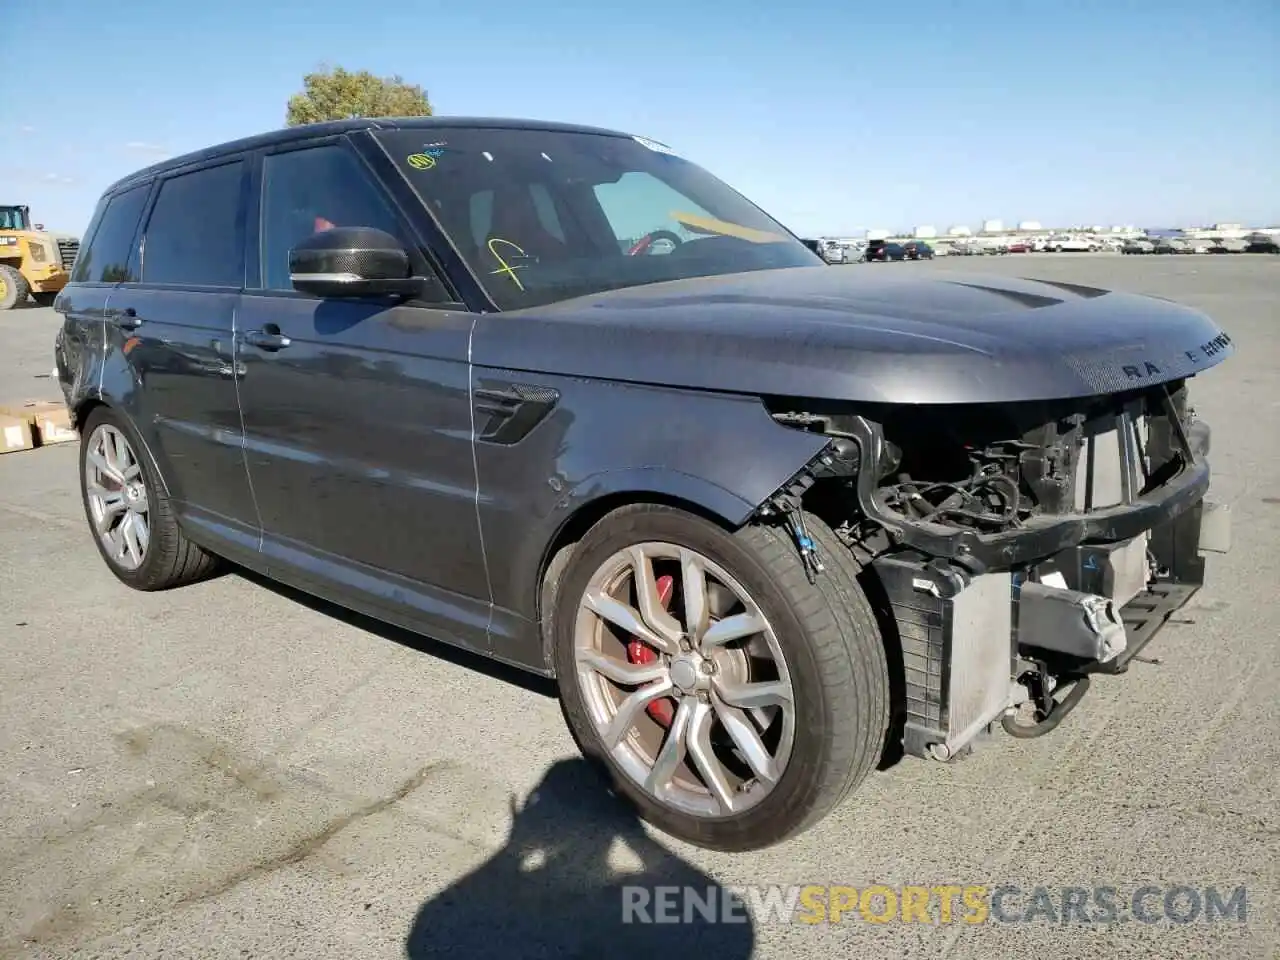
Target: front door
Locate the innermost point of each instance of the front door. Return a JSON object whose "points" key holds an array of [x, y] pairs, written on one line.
{"points": [[357, 418]]}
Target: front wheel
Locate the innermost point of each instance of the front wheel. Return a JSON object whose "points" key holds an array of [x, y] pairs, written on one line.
{"points": [[733, 702]]}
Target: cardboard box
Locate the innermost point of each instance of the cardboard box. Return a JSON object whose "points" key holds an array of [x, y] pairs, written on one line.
{"points": [[49, 420], [15, 434]]}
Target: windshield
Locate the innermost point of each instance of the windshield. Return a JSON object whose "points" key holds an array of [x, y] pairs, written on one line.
{"points": [[542, 216], [13, 218]]}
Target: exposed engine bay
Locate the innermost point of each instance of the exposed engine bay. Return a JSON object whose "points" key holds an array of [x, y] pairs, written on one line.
{"points": [[1014, 549]]}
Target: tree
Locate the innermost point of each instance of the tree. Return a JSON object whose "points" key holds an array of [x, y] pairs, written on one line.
{"points": [[338, 94]]}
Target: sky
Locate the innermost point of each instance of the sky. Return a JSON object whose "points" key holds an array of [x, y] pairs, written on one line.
{"points": [[834, 117]]}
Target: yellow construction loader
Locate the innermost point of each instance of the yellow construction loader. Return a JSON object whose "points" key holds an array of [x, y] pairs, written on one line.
{"points": [[32, 261]]}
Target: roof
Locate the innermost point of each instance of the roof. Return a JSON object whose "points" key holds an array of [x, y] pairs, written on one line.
{"points": [[331, 128]]}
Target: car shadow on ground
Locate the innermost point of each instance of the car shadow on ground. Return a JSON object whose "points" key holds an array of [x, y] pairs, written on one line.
{"points": [[552, 892], [406, 638]]}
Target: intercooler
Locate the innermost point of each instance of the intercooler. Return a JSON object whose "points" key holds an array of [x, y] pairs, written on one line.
{"points": [[956, 634]]}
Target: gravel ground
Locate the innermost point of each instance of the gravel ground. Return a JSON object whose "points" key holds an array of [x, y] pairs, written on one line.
{"points": [[231, 771]]}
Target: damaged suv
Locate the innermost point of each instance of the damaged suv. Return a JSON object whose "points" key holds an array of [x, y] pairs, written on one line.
{"points": [[558, 396]]}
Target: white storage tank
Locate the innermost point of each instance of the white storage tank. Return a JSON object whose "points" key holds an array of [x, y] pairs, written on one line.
{"points": [[993, 226], [959, 231], [925, 233], [1030, 226]]}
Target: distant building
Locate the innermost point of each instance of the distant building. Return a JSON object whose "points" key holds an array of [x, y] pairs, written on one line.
{"points": [[959, 232], [925, 233], [1030, 226], [993, 226]]}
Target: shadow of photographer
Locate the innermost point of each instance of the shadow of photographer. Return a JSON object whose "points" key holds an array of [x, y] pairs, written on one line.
{"points": [[551, 892]]}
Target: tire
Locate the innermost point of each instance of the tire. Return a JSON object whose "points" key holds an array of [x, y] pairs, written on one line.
{"points": [[834, 659], [44, 299], [14, 288], [168, 559]]}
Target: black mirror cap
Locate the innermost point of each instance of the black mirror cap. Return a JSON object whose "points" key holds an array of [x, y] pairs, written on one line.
{"points": [[350, 262]]}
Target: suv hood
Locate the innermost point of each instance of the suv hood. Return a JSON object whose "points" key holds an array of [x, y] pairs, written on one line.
{"points": [[862, 333]]}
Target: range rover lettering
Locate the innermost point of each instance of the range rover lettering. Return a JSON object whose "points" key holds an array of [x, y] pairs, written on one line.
{"points": [[558, 396]]}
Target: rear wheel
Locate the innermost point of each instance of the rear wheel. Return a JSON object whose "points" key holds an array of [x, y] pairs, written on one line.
{"points": [[731, 700], [13, 288], [131, 519]]}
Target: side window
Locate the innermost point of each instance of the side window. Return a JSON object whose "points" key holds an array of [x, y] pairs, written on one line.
{"points": [[481, 216], [106, 257], [544, 208], [638, 204], [195, 235], [313, 189]]}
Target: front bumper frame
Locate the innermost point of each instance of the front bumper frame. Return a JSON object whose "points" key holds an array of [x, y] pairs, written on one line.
{"points": [[1046, 536]]}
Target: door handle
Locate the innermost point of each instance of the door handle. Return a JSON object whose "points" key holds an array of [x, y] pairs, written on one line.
{"points": [[267, 339], [127, 319]]}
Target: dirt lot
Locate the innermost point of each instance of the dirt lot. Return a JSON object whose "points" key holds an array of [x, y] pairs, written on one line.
{"points": [[228, 771]]}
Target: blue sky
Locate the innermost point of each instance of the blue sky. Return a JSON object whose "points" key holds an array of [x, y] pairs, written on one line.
{"points": [[833, 116]]}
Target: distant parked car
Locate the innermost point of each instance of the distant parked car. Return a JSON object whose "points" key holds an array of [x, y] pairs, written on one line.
{"points": [[883, 251], [1074, 245], [1231, 245], [918, 250], [1018, 246], [1136, 247], [1172, 245], [834, 252], [1262, 244]]}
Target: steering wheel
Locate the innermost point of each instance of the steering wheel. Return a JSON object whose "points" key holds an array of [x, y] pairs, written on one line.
{"points": [[644, 243]]}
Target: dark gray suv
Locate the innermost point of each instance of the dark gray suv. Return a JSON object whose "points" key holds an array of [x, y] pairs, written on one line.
{"points": [[561, 397]]}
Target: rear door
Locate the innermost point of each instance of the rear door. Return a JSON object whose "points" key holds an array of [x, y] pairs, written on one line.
{"points": [[175, 327], [358, 418]]}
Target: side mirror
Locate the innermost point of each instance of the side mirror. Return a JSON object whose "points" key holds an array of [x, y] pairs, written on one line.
{"points": [[352, 262]]}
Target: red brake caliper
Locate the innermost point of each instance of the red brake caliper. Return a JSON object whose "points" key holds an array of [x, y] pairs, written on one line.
{"points": [[662, 711]]}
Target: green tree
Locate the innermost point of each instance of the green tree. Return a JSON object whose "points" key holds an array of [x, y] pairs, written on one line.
{"points": [[338, 94]]}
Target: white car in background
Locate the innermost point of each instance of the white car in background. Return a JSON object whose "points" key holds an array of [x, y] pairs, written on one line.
{"points": [[1073, 245], [834, 252]]}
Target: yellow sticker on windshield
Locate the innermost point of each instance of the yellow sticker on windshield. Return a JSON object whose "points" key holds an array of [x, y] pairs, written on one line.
{"points": [[701, 224], [421, 161]]}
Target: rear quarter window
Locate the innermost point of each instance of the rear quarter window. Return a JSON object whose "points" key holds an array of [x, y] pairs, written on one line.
{"points": [[108, 256]]}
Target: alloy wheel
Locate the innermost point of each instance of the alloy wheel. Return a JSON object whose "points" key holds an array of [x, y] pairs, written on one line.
{"points": [[684, 679], [116, 492]]}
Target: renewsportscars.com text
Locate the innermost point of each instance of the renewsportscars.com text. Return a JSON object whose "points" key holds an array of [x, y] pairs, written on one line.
{"points": [[936, 904]]}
